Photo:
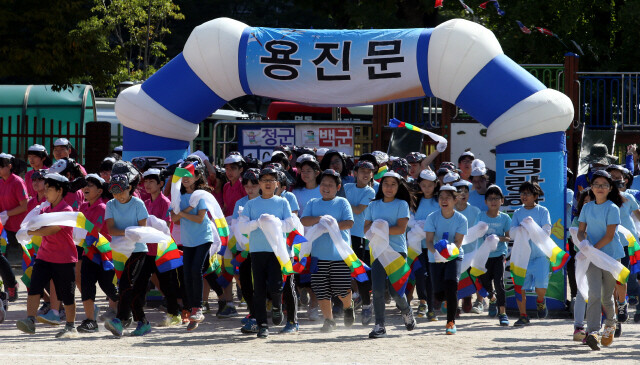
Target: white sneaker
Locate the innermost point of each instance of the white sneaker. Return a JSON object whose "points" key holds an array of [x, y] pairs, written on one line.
{"points": [[477, 308], [313, 313]]}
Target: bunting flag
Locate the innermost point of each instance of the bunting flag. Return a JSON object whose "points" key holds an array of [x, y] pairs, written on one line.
{"points": [[449, 251], [519, 258], [381, 171], [546, 31], [556, 255], [219, 223], [523, 28], [632, 248], [396, 267], [438, 4], [495, 5], [356, 266], [272, 229]]}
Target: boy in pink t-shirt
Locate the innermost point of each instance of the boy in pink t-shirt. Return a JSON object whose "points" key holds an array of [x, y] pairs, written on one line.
{"points": [[56, 261]]}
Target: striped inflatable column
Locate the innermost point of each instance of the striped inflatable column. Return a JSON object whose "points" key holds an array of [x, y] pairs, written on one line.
{"points": [[161, 116]]}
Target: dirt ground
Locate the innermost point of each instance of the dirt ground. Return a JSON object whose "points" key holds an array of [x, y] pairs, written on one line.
{"points": [[479, 339]]}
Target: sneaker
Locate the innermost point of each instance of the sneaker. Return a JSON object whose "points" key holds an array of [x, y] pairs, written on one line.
{"points": [[607, 335], [68, 331], [192, 326], [477, 308], [328, 326], [277, 317], [431, 316], [109, 314], [422, 310], [378, 331], [114, 326], [633, 300], [44, 308], [50, 318], [451, 328], [503, 319], [227, 312], [13, 293], [290, 328], [409, 321], [623, 314], [366, 315], [170, 320], [313, 314], [349, 316], [579, 334], [542, 310], [246, 319], [205, 308], [592, 340], [263, 332], [251, 326], [522, 321], [185, 316], [196, 315], [88, 326], [493, 308], [142, 329], [618, 331], [26, 325], [466, 304]]}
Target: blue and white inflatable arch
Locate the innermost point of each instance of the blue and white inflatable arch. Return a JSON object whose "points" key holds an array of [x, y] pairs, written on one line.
{"points": [[458, 61]]}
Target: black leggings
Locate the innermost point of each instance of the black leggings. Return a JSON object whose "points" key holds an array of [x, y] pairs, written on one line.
{"points": [[92, 273], [450, 294], [267, 281], [423, 281], [571, 269], [290, 299], [194, 263], [246, 284], [8, 277], [364, 288], [494, 278], [133, 286], [168, 281]]}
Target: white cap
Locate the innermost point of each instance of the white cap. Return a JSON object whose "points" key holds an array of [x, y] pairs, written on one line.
{"points": [[151, 172], [275, 153], [380, 156], [6, 156], [58, 167], [468, 153], [95, 176], [61, 142], [233, 159], [202, 156], [494, 186], [450, 177], [37, 148], [392, 174], [306, 157], [428, 175], [55, 176], [321, 151], [110, 159], [460, 183], [118, 148], [447, 187], [478, 168]]}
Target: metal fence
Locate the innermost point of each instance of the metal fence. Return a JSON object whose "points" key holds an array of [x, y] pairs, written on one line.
{"points": [[609, 97]]}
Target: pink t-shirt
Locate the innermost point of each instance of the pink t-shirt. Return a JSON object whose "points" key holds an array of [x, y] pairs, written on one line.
{"points": [[160, 209], [58, 248], [12, 192], [74, 200], [95, 214], [34, 202], [230, 195]]}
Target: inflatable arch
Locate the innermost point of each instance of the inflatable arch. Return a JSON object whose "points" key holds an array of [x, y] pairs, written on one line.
{"points": [[458, 61]]}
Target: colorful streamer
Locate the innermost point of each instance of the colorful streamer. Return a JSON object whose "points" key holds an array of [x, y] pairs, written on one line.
{"points": [[218, 220], [442, 142], [394, 264]]}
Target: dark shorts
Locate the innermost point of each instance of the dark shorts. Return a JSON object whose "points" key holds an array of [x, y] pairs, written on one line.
{"points": [[63, 276]]}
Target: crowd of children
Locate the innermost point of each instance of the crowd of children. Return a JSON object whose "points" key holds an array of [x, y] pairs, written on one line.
{"points": [[357, 215]]}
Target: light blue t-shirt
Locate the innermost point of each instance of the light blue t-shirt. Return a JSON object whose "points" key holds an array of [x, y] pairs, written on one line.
{"points": [[626, 211], [390, 212], [254, 208], [358, 196], [471, 213], [598, 217], [426, 207], [293, 201], [376, 186], [127, 215], [541, 216], [498, 225], [194, 234], [303, 195], [323, 248], [477, 201], [239, 203], [438, 224]]}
